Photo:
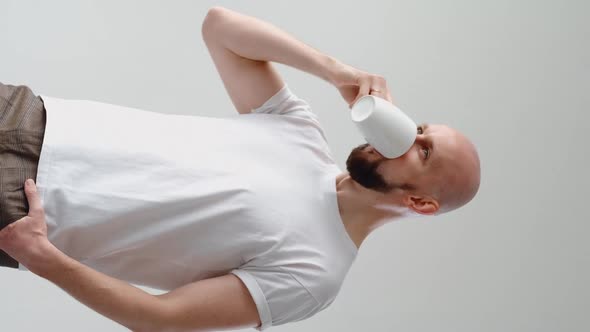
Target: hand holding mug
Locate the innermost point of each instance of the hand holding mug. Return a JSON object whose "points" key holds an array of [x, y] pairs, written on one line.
{"points": [[353, 83]]}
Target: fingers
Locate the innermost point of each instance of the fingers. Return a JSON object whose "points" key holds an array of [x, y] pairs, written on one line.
{"points": [[33, 197], [374, 85], [364, 88]]}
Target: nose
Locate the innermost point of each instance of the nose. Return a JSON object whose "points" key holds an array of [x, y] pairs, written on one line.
{"points": [[420, 139]]}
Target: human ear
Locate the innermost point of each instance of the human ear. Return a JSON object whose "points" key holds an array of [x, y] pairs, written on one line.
{"points": [[421, 205]]}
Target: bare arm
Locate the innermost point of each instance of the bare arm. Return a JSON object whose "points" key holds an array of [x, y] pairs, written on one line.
{"points": [[217, 303], [113, 298], [243, 47], [255, 39]]}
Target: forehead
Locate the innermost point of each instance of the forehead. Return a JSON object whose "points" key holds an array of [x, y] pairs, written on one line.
{"points": [[445, 144], [439, 129]]}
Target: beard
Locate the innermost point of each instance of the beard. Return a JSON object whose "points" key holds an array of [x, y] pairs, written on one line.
{"points": [[364, 171]]}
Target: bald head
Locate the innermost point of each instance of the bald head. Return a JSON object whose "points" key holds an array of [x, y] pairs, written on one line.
{"points": [[459, 177]]}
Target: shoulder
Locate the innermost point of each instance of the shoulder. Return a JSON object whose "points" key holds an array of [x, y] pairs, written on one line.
{"points": [[286, 102]]}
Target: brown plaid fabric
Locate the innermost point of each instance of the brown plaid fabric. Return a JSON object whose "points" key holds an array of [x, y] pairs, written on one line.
{"points": [[22, 125]]}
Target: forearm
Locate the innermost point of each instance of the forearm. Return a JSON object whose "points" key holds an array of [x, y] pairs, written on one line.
{"points": [[255, 39], [113, 298]]}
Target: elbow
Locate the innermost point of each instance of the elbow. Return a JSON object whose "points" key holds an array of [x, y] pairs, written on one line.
{"points": [[156, 318], [146, 327], [216, 11], [210, 22], [154, 329], [165, 329]]}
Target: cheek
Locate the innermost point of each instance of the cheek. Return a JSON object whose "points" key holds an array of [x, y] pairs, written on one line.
{"points": [[409, 165], [406, 166], [410, 158], [395, 170]]}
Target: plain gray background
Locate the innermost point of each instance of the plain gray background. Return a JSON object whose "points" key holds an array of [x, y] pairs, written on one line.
{"points": [[511, 75]]}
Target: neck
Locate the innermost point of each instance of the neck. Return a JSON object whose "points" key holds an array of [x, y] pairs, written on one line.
{"points": [[363, 210]]}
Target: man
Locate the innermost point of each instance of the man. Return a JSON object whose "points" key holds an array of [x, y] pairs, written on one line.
{"points": [[247, 220]]}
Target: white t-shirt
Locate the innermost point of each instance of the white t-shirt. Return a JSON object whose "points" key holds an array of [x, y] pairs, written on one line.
{"points": [[164, 200]]}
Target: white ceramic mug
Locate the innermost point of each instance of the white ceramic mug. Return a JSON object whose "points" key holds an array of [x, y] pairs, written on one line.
{"points": [[389, 130]]}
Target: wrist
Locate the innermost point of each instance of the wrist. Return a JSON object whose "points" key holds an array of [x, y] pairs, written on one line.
{"points": [[332, 68], [44, 260]]}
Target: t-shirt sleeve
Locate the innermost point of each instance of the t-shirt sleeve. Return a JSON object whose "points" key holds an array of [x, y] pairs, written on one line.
{"points": [[285, 102], [279, 297]]}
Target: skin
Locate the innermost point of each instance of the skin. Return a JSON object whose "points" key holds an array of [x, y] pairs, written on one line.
{"points": [[376, 190]]}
